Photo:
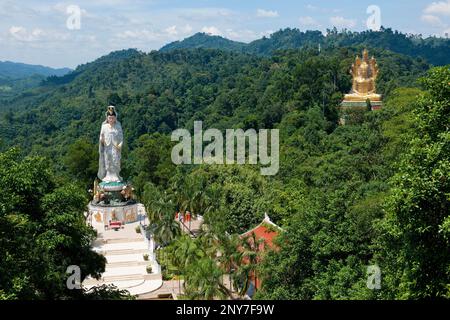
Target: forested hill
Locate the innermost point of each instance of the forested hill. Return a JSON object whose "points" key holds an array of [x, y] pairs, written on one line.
{"points": [[434, 50], [203, 40], [159, 92]]}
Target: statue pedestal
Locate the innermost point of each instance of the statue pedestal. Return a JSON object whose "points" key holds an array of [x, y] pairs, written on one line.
{"points": [[105, 214], [352, 111], [113, 202], [112, 186]]}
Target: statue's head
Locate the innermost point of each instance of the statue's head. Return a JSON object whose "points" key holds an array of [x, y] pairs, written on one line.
{"points": [[365, 55], [111, 115]]}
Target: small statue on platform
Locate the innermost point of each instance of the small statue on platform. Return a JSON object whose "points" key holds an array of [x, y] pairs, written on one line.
{"points": [[127, 192]]}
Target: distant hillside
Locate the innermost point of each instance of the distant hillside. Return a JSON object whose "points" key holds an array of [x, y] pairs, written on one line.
{"points": [[99, 64], [11, 87], [14, 70], [434, 50], [159, 92]]}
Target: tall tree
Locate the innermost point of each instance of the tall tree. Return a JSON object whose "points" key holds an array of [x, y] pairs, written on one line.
{"points": [[42, 232], [416, 258]]}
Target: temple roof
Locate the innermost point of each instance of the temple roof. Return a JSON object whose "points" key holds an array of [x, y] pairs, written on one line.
{"points": [[266, 230]]}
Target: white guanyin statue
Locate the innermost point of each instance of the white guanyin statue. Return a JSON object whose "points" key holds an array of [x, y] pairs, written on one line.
{"points": [[110, 148]]}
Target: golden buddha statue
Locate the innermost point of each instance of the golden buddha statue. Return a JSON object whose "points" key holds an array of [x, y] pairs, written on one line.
{"points": [[364, 72]]}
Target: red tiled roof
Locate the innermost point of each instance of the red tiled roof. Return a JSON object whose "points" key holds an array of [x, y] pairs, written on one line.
{"points": [[266, 230], [263, 232]]}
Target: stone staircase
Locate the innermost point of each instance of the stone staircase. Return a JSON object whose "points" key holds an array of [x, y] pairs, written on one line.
{"points": [[126, 268], [122, 252]]}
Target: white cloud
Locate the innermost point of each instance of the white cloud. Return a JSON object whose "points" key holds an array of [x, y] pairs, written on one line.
{"points": [[311, 7], [341, 22], [308, 21], [266, 13], [239, 35], [201, 14], [431, 16], [186, 29], [171, 30], [175, 30], [439, 8], [432, 20], [143, 35], [212, 31], [246, 35], [22, 34]]}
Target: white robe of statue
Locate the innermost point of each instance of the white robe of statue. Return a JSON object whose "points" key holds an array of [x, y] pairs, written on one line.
{"points": [[110, 152]]}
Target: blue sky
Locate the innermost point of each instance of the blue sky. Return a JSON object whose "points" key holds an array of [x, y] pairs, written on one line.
{"points": [[36, 32]]}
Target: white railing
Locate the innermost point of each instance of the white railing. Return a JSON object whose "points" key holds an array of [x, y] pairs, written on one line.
{"points": [[151, 249]]}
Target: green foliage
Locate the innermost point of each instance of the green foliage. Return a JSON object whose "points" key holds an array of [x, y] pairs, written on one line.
{"points": [[82, 161], [399, 123], [42, 231], [159, 92], [203, 281], [231, 198], [107, 292], [150, 161], [415, 249], [10, 88]]}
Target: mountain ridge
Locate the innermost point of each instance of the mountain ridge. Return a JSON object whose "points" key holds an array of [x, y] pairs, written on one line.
{"points": [[18, 70], [433, 49]]}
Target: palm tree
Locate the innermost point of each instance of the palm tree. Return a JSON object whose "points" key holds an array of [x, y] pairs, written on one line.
{"points": [[230, 257], [192, 194], [189, 250], [184, 252], [250, 247], [150, 199], [166, 230], [160, 210], [203, 281]]}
